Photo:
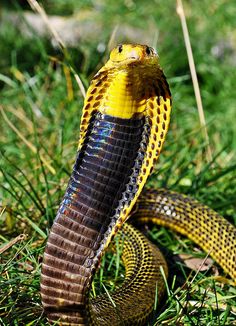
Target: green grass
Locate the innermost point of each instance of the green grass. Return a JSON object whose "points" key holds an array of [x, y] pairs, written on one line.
{"points": [[37, 99]]}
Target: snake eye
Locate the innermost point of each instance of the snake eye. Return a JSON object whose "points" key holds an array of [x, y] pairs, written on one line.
{"points": [[120, 48], [148, 50]]}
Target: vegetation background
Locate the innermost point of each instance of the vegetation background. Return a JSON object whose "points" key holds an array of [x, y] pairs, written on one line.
{"points": [[41, 104]]}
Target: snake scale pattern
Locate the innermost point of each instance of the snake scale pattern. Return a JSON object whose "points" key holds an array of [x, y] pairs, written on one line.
{"points": [[124, 123]]}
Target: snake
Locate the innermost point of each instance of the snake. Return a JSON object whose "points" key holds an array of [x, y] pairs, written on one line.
{"points": [[124, 123]]}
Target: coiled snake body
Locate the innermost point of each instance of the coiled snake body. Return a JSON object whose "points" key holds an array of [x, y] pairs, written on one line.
{"points": [[124, 123]]}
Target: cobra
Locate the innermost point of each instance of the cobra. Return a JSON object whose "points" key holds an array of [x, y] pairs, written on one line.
{"points": [[124, 123]]}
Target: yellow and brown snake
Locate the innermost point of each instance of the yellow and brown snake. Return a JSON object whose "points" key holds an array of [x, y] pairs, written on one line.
{"points": [[124, 123]]}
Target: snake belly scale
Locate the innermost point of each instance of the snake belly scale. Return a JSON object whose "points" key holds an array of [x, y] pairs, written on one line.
{"points": [[124, 123]]}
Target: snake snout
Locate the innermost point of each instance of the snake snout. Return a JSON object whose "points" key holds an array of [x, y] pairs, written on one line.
{"points": [[134, 55]]}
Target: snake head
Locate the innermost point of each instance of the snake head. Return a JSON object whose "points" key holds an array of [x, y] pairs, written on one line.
{"points": [[129, 54]]}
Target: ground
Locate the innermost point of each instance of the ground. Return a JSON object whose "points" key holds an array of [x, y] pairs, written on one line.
{"points": [[41, 105]]}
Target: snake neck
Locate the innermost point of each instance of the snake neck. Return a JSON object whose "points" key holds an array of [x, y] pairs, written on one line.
{"points": [[125, 96], [128, 90]]}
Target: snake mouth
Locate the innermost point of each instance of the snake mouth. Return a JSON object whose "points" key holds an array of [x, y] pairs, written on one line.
{"points": [[127, 60]]}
